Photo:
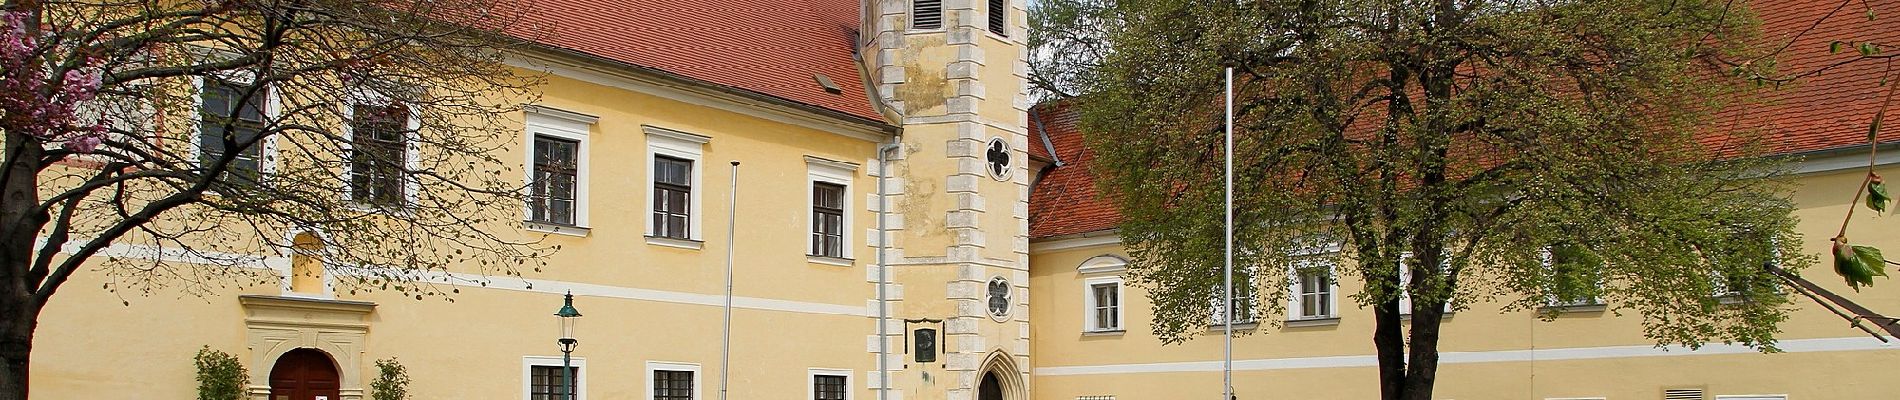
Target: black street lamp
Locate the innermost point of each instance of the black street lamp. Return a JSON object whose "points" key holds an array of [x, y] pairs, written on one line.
{"points": [[568, 316]]}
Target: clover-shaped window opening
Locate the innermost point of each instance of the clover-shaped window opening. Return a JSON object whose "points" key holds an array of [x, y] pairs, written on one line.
{"points": [[999, 291], [1000, 160]]}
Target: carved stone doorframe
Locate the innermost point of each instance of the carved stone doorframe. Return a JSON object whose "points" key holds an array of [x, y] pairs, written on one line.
{"points": [[274, 325]]}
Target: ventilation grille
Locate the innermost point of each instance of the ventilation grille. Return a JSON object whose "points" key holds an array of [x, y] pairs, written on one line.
{"points": [[1109, 397], [999, 17], [926, 14], [1682, 394]]}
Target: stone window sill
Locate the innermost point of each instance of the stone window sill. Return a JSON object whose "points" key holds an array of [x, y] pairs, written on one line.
{"points": [[688, 244], [1314, 321], [558, 229], [838, 261]]}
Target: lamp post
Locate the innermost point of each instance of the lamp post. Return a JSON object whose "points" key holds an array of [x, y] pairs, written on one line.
{"points": [[568, 316]]}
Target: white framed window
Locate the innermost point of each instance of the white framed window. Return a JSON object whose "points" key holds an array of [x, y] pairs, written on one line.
{"points": [[1567, 272], [828, 384], [1102, 304], [675, 187], [541, 378], [1752, 397], [1405, 276], [556, 167], [1246, 307], [672, 381], [828, 197], [1731, 289], [227, 106], [382, 147], [1314, 291]]}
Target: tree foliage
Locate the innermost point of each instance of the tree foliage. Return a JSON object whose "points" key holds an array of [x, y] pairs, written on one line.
{"points": [[178, 144], [220, 375], [1459, 141], [392, 381]]}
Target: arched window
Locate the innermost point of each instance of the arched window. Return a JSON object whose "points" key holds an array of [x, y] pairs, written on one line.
{"points": [[306, 264]]}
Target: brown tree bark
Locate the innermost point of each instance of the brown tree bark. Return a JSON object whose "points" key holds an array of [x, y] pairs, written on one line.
{"points": [[19, 308]]}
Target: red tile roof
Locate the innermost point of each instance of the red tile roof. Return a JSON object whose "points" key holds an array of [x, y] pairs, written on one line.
{"points": [[1824, 112], [1065, 201], [1830, 110], [768, 47]]}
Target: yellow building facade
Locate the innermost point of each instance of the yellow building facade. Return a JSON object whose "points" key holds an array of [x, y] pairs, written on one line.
{"points": [[1585, 352], [884, 249]]}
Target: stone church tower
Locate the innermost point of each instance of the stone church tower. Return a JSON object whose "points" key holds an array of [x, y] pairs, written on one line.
{"points": [[953, 74]]}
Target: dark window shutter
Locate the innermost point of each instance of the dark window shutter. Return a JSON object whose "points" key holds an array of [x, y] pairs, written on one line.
{"points": [[999, 17], [926, 14]]}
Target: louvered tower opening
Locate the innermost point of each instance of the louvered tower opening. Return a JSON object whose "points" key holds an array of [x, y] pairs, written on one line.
{"points": [[999, 17], [926, 14]]}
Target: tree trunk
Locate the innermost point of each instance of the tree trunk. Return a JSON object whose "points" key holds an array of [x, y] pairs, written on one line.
{"points": [[16, 347], [1388, 337], [1421, 371], [19, 310]]}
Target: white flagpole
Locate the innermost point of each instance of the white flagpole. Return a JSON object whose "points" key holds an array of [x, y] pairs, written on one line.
{"points": [[1227, 268], [732, 218]]}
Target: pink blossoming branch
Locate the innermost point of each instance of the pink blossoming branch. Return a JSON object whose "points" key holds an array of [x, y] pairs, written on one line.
{"points": [[36, 106]]}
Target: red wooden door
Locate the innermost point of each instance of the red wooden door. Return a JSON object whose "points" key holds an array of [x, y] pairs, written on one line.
{"points": [[304, 374]]}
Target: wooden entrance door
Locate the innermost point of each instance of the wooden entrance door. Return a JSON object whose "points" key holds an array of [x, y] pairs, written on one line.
{"points": [[304, 374]]}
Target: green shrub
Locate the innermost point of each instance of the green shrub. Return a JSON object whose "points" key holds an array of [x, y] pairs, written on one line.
{"points": [[392, 381], [220, 375]]}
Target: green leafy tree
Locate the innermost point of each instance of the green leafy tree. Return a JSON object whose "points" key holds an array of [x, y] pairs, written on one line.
{"points": [[1453, 144], [392, 380], [220, 375]]}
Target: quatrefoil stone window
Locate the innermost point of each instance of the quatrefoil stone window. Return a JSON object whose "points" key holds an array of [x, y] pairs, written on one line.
{"points": [[1000, 160], [999, 298]]}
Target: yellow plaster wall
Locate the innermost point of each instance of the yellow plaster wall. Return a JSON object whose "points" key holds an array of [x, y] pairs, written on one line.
{"points": [[1821, 198], [473, 347], [925, 175]]}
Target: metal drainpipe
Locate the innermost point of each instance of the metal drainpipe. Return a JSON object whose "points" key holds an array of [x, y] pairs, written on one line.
{"points": [[883, 269]]}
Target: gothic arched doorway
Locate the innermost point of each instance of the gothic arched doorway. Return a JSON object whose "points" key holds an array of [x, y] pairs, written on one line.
{"points": [[990, 389], [304, 374]]}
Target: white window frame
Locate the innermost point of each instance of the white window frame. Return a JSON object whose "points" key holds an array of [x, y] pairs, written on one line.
{"points": [[1089, 304], [811, 382], [1217, 318], [836, 173], [1405, 293], [685, 146], [566, 125], [674, 366], [1549, 260], [1727, 294], [1751, 397], [527, 374], [1296, 287], [267, 154], [411, 152]]}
